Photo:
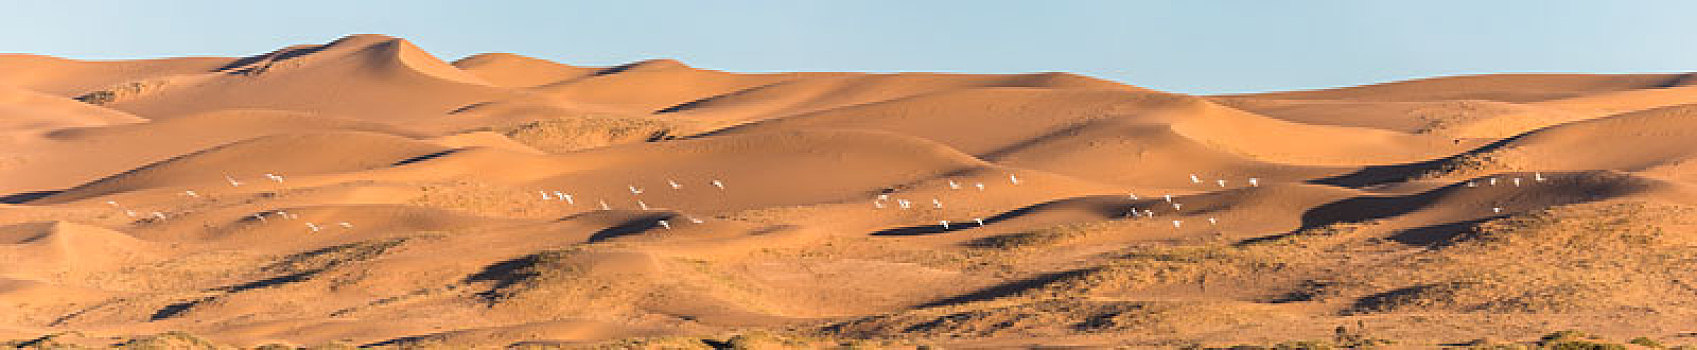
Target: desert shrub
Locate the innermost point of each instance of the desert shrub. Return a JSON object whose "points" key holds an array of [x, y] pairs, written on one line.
{"points": [[173, 340], [1575, 340], [1646, 342], [590, 131]]}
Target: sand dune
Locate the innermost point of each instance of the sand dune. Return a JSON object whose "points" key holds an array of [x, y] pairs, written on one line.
{"points": [[516, 71], [366, 192], [1516, 88]]}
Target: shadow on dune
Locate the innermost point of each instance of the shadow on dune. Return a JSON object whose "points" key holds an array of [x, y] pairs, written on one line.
{"points": [[1384, 174], [426, 157], [1006, 289], [1105, 206], [1576, 188], [1440, 234], [26, 197], [629, 227]]}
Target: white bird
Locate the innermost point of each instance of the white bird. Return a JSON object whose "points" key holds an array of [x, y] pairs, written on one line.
{"points": [[286, 215], [674, 184], [1254, 182], [1177, 224], [313, 227], [634, 190], [883, 197], [945, 224], [1168, 197], [345, 225], [1497, 210], [904, 203], [545, 195], [1013, 179], [604, 206], [1493, 181], [130, 213], [980, 221], [1539, 177], [559, 196], [980, 186], [718, 184], [1149, 212], [569, 200], [275, 177], [1194, 179], [159, 215], [1517, 182], [878, 205], [1472, 184], [260, 216], [694, 220], [936, 203], [112, 203], [1133, 195], [1212, 222], [644, 206], [191, 194], [233, 182], [954, 185], [1221, 182], [665, 224], [1176, 206]]}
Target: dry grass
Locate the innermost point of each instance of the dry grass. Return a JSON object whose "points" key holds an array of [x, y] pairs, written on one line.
{"points": [[560, 135], [1052, 317], [1045, 237], [120, 92], [1579, 258]]}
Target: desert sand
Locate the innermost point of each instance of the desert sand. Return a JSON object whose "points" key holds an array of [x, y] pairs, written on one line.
{"points": [[365, 192]]}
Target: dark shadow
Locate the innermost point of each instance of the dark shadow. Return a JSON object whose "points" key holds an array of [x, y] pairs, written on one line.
{"points": [[504, 273], [635, 226], [1107, 206], [1677, 81], [1310, 290], [403, 341], [1436, 235], [1582, 188], [1070, 130], [1385, 300], [935, 229], [1384, 174], [466, 108], [178, 309], [269, 282], [1006, 289], [620, 68], [662, 135], [25, 197], [247, 65], [1356, 209], [425, 157]]}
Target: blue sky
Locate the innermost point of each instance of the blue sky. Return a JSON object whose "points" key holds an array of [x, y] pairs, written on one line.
{"points": [[1183, 46]]}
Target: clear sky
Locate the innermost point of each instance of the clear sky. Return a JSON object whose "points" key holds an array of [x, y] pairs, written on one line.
{"points": [[1182, 46]]}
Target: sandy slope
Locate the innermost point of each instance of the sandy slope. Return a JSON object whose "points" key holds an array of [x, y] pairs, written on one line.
{"points": [[415, 202]]}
